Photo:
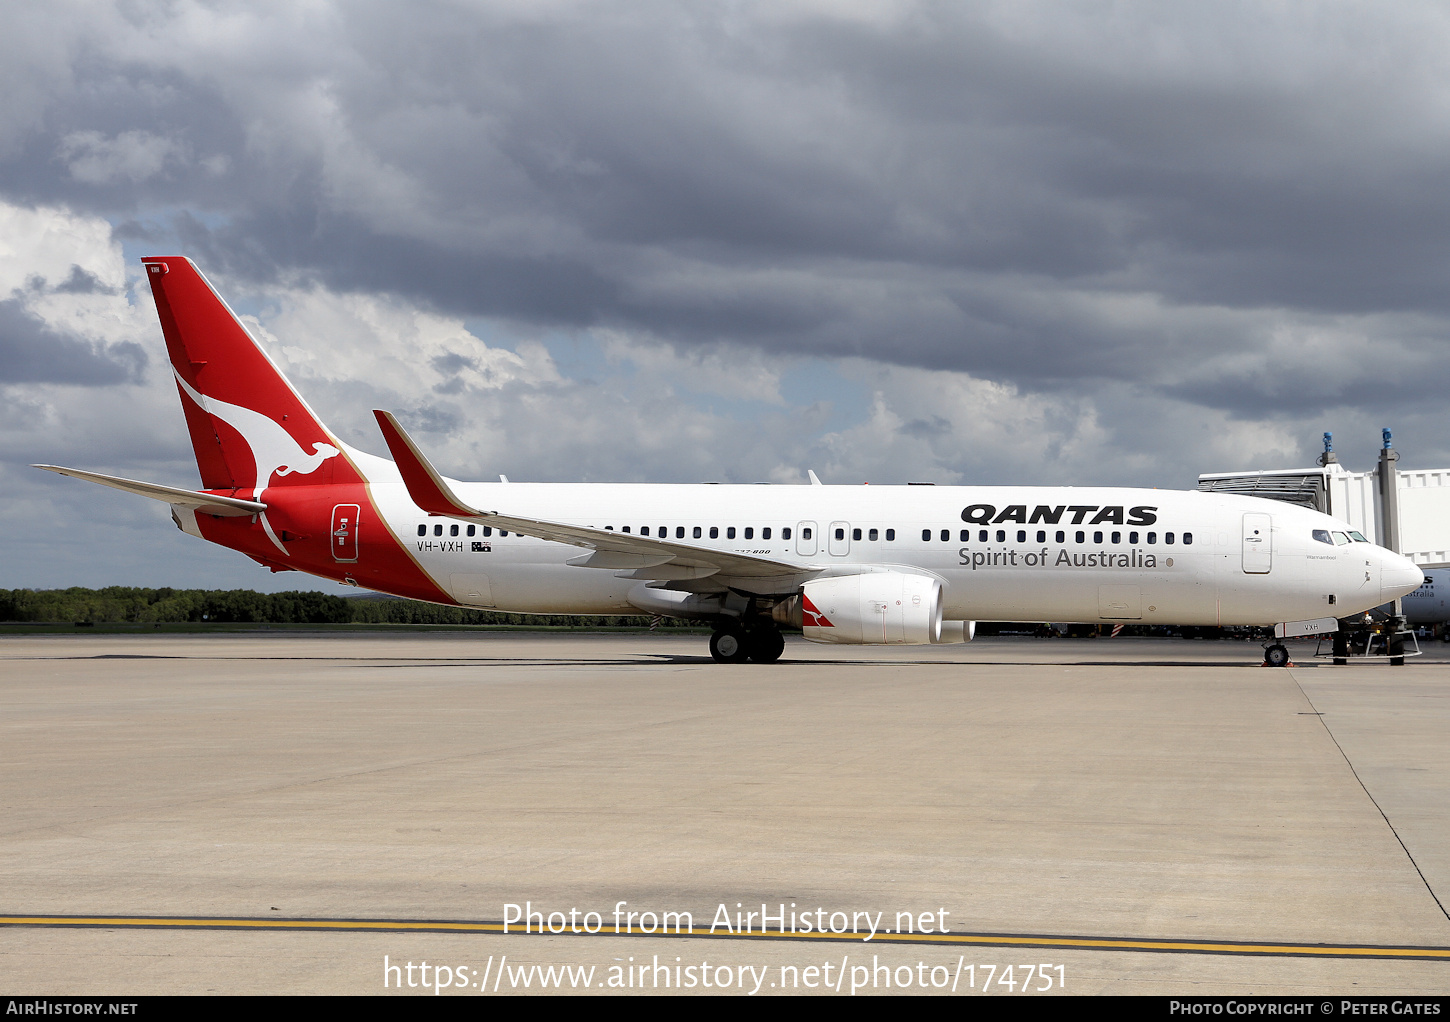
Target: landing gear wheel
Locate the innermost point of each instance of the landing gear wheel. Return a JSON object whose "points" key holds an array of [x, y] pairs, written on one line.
{"points": [[765, 645], [1276, 655], [728, 646]]}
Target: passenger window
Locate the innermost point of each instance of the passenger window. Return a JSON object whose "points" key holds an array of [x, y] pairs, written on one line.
{"points": [[855, 533], [437, 530], [891, 535], [1168, 538], [926, 535], [503, 532], [1081, 537], [1117, 537], [1001, 535], [697, 532], [1188, 539], [730, 532], [423, 531], [840, 533], [470, 529], [805, 534], [1042, 535], [1132, 537], [946, 535], [765, 533], [680, 532], [624, 528], [1022, 535], [452, 530], [609, 528], [644, 530], [873, 535], [1152, 538], [1061, 536], [1097, 537], [487, 531], [749, 532], [966, 536], [982, 536], [784, 533]]}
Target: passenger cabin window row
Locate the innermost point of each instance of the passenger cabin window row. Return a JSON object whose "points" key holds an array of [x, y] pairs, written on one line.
{"points": [[453, 530], [874, 535]]}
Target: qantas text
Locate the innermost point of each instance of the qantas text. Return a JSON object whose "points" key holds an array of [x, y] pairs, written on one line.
{"points": [[1042, 514]]}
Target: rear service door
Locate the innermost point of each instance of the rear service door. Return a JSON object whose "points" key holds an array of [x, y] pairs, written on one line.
{"points": [[344, 533]]}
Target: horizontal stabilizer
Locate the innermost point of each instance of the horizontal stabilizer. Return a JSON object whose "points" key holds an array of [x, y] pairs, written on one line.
{"points": [[207, 503]]}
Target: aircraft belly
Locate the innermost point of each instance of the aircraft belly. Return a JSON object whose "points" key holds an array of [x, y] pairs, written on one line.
{"points": [[559, 589]]}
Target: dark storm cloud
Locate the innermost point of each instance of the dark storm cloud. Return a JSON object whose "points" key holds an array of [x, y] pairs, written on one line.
{"points": [[1047, 196], [30, 352]]}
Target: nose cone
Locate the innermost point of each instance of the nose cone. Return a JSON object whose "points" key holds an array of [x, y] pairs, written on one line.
{"points": [[1398, 576]]}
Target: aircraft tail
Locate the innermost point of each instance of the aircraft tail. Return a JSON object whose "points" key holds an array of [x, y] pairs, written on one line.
{"points": [[250, 429]]}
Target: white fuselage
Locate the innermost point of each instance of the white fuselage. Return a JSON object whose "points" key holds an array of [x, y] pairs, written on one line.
{"points": [[1148, 556]]}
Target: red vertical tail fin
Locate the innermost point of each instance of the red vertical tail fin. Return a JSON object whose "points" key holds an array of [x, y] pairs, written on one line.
{"points": [[249, 427]]}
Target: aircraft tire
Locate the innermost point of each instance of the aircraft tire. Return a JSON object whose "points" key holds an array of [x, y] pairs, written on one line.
{"points": [[1276, 655], [729, 646], [765, 645]]}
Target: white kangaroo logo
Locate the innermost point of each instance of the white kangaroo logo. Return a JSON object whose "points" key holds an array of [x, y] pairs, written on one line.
{"points": [[274, 451]]}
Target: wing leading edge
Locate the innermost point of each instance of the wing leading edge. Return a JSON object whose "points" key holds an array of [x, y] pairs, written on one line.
{"points": [[630, 556]]}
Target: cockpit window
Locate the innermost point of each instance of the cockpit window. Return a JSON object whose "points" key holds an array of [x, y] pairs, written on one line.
{"points": [[1322, 535], [1358, 537], [1341, 539]]}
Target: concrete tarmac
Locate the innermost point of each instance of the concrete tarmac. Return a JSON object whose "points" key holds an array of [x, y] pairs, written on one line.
{"points": [[1127, 789]]}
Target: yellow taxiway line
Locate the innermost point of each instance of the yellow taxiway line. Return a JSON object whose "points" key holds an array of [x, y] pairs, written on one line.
{"points": [[1206, 947]]}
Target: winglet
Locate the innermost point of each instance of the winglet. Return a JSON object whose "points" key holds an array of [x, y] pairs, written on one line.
{"points": [[425, 485]]}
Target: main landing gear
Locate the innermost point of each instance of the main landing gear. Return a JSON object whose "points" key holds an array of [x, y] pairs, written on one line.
{"points": [[1276, 655], [732, 644]]}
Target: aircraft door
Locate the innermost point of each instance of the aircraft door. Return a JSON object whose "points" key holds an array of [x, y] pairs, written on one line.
{"points": [[805, 539], [1120, 603], [839, 540], [472, 590], [1258, 543], [344, 533]]}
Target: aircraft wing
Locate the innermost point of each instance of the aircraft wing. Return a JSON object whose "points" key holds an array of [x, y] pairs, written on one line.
{"points": [[209, 503], [631, 556]]}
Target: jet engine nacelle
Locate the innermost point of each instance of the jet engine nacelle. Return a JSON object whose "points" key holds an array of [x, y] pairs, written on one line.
{"points": [[877, 607]]}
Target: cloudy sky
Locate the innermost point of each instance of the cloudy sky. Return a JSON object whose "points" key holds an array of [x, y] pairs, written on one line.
{"points": [[968, 242]]}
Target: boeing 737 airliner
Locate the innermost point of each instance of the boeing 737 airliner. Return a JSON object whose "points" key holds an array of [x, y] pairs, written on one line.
{"points": [[848, 564]]}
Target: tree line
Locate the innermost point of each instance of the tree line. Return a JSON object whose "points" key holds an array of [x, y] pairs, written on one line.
{"points": [[126, 604]]}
